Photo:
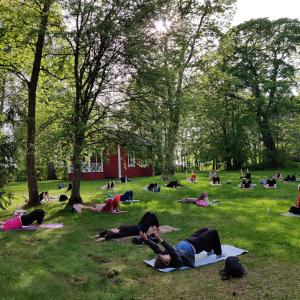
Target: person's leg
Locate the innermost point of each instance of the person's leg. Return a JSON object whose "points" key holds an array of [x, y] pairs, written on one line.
{"points": [[188, 200], [218, 180], [199, 232], [207, 241], [34, 216], [144, 217], [148, 221], [295, 210], [126, 196]]}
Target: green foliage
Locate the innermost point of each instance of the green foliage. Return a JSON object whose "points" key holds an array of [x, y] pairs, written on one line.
{"points": [[7, 167]]}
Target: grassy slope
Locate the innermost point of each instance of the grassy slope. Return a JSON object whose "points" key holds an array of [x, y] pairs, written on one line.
{"points": [[67, 264]]}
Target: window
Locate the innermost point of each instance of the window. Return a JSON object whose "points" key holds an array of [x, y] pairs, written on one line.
{"points": [[131, 160], [143, 163]]}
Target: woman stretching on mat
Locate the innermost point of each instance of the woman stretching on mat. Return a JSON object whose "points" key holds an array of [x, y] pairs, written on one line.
{"points": [[24, 220], [111, 205], [183, 253], [148, 220], [296, 209]]}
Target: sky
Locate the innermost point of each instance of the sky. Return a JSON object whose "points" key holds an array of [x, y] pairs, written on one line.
{"points": [[273, 9]]}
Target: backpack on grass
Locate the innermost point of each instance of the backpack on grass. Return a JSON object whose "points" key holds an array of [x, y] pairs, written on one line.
{"points": [[233, 268]]}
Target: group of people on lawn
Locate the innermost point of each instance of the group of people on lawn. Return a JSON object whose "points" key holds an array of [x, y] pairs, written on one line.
{"points": [[182, 254]]}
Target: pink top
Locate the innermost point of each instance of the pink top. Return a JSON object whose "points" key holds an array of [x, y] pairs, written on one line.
{"points": [[13, 223]]}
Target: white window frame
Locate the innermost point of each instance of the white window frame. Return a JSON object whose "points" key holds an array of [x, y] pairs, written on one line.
{"points": [[131, 159]]}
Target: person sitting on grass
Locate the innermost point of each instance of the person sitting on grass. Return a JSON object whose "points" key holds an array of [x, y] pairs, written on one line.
{"points": [[248, 174], [193, 177], [271, 183], [148, 220], [293, 178], [278, 176], [44, 197], [296, 208], [183, 253], [215, 178], [153, 187], [23, 220], [287, 178]]}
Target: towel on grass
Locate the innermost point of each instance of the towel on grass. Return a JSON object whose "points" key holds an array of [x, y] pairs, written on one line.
{"points": [[202, 258]]}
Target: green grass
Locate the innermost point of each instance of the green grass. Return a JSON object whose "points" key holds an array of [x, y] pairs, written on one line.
{"points": [[67, 264]]}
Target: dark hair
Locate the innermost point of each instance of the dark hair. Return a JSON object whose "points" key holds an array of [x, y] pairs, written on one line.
{"points": [[159, 262]]}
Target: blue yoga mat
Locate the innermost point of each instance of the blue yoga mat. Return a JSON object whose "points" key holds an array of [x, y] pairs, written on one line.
{"points": [[202, 258]]}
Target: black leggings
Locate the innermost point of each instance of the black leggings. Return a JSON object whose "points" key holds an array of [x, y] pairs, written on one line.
{"points": [[216, 180], [295, 210], [149, 219], [36, 215], [127, 196], [206, 239]]}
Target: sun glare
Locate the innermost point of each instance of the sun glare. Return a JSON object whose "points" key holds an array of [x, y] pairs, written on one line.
{"points": [[162, 25]]}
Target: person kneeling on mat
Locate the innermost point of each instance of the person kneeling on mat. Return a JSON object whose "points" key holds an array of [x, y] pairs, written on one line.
{"points": [[296, 209], [23, 220], [148, 220], [183, 253]]}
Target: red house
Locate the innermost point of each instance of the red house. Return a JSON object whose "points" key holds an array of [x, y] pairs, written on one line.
{"points": [[117, 164]]}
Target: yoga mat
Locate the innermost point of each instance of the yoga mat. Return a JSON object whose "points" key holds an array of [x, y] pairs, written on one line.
{"points": [[202, 258], [220, 184], [130, 201], [289, 214], [270, 187], [33, 227], [52, 226], [162, 229]]}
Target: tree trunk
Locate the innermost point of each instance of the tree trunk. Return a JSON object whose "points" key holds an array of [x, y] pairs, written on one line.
{"points": [[76, 160], [32, 88], [51, 172], [269, 143]]}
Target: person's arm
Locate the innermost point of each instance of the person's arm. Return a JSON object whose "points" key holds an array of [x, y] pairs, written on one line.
{"points": [[176, 260], [155, 248]]}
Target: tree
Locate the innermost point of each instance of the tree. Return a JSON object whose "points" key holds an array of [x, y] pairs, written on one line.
{"points": [[168, 59], [7, 166], [96, 39], [260, 54], [13, 41]]}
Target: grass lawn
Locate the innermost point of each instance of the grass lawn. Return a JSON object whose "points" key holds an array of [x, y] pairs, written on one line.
{"points": [[67, 264]]}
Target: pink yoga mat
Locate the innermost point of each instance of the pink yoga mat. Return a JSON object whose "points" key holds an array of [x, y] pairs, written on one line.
{"points": [[33, 227]]}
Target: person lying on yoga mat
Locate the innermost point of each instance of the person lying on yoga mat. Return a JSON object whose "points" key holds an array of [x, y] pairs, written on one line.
{"points": [[183, 253], [203, 196], [18, 221], [296, 208], [148, 220], [111, 205]]}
